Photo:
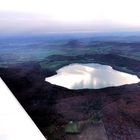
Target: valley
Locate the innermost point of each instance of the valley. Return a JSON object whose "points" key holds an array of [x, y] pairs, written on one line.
{"points": [[111, 112]]}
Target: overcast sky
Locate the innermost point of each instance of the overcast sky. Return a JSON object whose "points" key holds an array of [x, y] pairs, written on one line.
{"points": [[42, 16]]}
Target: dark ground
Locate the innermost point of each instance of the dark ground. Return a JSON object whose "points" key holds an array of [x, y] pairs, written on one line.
{"points": [[52, 107]]}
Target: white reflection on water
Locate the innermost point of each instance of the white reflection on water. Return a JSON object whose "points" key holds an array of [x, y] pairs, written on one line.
{"points": [[91, 76]]}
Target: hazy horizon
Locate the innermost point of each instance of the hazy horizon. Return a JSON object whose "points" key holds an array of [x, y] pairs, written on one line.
{"points": [[63, 16]]}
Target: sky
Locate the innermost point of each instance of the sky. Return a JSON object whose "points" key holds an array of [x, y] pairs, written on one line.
{"points": [[43, 16]]}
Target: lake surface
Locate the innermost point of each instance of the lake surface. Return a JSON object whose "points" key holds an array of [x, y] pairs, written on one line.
{"points": [[90, 76]]}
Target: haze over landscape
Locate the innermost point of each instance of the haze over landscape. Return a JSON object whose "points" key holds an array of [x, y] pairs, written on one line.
{"points": [[45, 16], [74, 65]]}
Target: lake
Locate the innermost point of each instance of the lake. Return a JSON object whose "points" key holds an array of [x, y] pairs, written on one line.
{"points": [[90, 76]]}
